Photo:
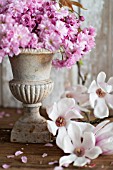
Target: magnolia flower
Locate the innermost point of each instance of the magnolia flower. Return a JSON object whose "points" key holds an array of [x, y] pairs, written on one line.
{"points": [[81, 146], [104, 137], [100, 95], [79, 93], [61, 113]]}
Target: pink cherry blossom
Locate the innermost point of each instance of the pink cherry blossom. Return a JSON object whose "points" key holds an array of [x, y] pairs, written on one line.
{"points": [[60, 114], [43, 24], [100, 95]]}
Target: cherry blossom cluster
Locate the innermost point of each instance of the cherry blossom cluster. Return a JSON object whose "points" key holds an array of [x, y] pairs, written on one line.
{"points": [[81, 140], [44, 24]]}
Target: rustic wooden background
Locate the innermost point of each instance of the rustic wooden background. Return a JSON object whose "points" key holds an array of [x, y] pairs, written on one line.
{"points": [[100, 15]]}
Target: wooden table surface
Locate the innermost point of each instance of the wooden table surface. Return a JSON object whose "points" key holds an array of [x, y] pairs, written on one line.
{"points": [[34, 152]]}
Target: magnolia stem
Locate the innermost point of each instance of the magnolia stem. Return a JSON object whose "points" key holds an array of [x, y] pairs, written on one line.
{"points": [[100, 120]]}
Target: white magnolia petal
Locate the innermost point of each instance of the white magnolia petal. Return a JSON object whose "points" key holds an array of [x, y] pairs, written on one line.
{"points": [[73, 114], [81, 161], [106, 145], [110, 81], [75, 134], [93, 153], [88, 140], [65, 104], [101, 110], [105, 87], [101, 77], [60, 137], [52, 112], [83, 98], [68, 147], [104, 136], [93, 87], [85, 127], [106, 130], [109, 100], [52, 127], [100, 126], [67, 159], [92, 98], [80, 89]]}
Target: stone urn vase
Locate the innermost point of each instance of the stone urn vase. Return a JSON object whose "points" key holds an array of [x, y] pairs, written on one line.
{"points": [[31, 84]]}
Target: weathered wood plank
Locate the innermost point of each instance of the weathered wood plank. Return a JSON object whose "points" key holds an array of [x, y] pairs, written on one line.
{"points": [[34, 152], [99, 16]]}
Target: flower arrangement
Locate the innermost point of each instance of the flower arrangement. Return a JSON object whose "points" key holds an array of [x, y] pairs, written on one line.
{"points": [[81, 139], [44, 24]]}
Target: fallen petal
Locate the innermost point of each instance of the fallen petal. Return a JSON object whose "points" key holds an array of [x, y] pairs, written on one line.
{"points": [[58, 168], [49, 144], [24, 159], [10, 156], [17, 153], [52, 163], [5, 166], [44, 155]]}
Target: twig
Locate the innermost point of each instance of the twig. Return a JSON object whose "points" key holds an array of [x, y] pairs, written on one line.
{"points": [[100, 120], [80, 75]]}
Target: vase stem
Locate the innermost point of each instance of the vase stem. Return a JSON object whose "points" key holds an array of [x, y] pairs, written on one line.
{"points": [[31, 127]]}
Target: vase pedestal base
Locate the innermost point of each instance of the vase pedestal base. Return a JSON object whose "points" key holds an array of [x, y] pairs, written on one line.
{"points": [[31, 127]]}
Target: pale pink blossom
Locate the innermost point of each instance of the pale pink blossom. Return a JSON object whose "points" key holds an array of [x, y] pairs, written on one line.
{"points": [[17, 153], [61, 114], [78, 92], [5, 166], [100, 95], [81, 147], [104, 137], [24, 159]]}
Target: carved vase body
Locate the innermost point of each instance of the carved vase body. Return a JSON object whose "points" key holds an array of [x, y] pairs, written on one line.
{"points": [[31, 84]]}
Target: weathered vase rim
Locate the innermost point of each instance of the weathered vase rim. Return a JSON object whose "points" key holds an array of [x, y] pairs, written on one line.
{"points": [[36, 51]]}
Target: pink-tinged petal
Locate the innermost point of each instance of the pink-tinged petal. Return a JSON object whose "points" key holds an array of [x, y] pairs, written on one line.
{"points": [[52, 163], [65, 104], [60, 137], [75, 133], [81, 89], [93, 153], [67, 159], [109, 100], [49, 145], [5, 166], [88, 140], [101, 110], [44, 155], [105, 87], [85, 127], [52, 127], [17, 153], [10, 156], [100, 126], [101, 77], [67, 145], [73, 114], [24, 159], [81, 161], [106, 145], [93, 87], [92, 98], [58, 168], [110, 81], [53, 112]]}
